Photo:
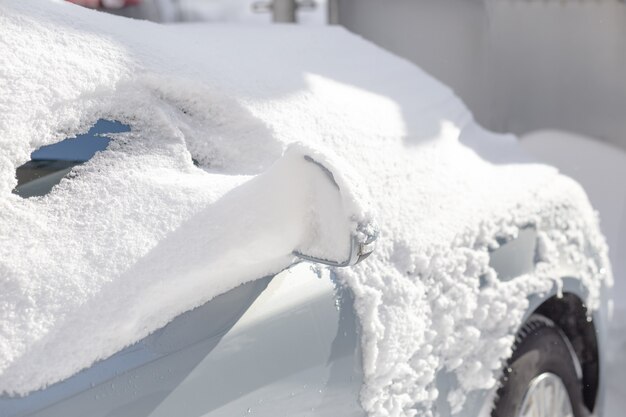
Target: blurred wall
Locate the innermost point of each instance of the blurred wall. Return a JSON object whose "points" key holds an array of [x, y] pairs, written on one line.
{"points": [[520, 65]]}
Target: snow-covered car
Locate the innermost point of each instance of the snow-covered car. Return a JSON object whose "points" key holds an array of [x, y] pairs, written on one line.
{"points": [[209, 255]]}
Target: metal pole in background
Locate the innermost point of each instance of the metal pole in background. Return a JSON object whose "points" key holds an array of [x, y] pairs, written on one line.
{"points": [[284, 11], [333, 12]]}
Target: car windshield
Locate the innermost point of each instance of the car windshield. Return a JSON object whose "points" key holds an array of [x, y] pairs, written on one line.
{"points": [[50, 163]]}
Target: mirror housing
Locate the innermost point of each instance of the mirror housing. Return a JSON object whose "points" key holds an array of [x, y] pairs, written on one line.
{"points": [[361, 241]]}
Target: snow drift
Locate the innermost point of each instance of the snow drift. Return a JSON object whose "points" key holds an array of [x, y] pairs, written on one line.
{"points": [[131, 239]]}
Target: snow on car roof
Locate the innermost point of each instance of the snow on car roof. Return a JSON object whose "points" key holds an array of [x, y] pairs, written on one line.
{"points": [[139, 234]]}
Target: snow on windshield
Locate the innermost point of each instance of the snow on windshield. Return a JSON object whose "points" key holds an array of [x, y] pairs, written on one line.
{"points": [[140, 234]]}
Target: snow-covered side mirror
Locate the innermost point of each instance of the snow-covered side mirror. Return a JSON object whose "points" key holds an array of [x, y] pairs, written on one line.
{"points": [[302, 206], [306, 206], [339, 239]]}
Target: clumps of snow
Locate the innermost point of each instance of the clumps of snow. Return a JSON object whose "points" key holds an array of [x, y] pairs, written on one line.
{"points": [[139, 234], [438, 318]]}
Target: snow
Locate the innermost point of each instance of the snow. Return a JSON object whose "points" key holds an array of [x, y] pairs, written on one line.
{"points": [[139, 234]]}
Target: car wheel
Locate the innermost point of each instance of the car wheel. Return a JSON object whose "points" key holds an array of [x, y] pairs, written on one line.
{"points": [[543, 377]]}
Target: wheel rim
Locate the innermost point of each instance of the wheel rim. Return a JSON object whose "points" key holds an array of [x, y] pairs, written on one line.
{"points": [[546, 396]]}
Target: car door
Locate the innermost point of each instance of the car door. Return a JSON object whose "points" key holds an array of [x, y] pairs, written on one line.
{"points": [[294, 352]]}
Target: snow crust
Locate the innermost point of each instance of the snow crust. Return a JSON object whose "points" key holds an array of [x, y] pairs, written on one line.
{"points": [[139, 234]]}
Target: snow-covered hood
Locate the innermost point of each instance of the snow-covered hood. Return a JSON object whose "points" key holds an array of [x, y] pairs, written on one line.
{"points": [[121, 248]]}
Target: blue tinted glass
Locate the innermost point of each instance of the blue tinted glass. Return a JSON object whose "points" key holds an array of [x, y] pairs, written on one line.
{"points": [[82, 147]]}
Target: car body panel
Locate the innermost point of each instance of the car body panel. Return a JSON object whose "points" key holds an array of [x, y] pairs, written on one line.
{"points": [[296, 352], [288, 344]]}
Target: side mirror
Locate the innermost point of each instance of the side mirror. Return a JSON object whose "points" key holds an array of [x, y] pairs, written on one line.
{"points": [[300, 209], [360, 236], [359, 250]]}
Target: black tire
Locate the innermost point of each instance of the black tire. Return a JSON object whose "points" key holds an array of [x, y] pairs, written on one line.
{"points": [[540, 347]]}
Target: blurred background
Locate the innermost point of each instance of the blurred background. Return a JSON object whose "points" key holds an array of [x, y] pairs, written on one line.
{"points": [[551, 71], [246, 11]]}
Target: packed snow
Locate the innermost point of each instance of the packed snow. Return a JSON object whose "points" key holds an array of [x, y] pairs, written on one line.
{"points": [[139, 234]]}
